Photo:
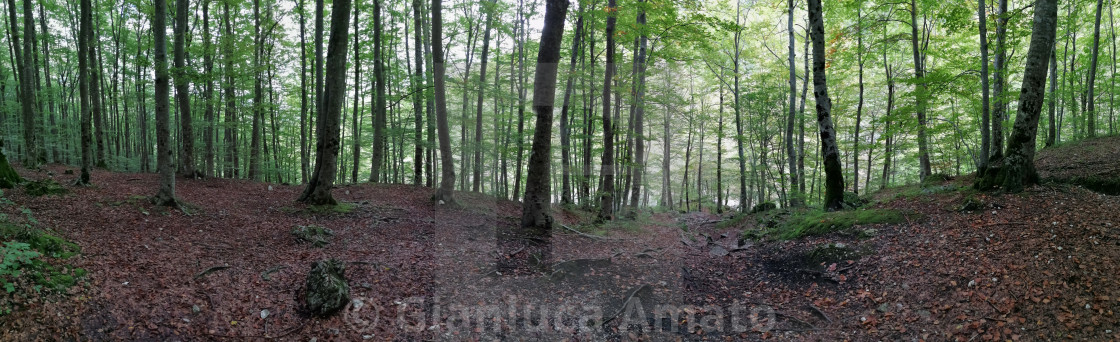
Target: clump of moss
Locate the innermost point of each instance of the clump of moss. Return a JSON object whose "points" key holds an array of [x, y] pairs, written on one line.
{"points": [[821, 223], [44, 187], [340, 208], [317, 236], [1108, 186], [971, 203], [853, 200], [936, 179]]}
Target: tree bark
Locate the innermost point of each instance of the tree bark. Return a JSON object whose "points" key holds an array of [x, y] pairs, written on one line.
{"points": [[356, 146], [186, 129], [232, 169], [985, 100], [34, 153], [565, 129], [318, 191], [477, 167], [258, 96], [444, 195], [1016, 169], [83, 90], [379, 117], [1052, 100], [999, 110], [208, 91], [859, 107], [834, 176], [639, 162], [536, 217], [795, 197], [418, 89], [166, 194], [1091, 114], [920, 94], [606, 193]]}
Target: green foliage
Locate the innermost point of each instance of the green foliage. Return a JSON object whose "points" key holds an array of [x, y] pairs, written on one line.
{"points": [[44, 187], [317, 236], [763, 207], [17, 255], [818, 222]]}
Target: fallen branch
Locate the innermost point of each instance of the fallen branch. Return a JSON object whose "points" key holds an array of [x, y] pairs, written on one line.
{"points": [[210, 270], [624, 303], [266, 273]]}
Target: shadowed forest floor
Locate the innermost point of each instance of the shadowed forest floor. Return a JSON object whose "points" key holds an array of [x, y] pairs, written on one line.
{"points": [[965, 266]]}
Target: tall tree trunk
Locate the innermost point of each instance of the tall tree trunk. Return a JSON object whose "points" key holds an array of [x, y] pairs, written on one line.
{"points": [[447, 164], [738, 116], [34, 152], [232, 169], [258, 96], [921, 95], [1091, 126], [565, 129], [985, 100], [536, 217], [186, 155], [304, 151], [166, 194], [208, 91], [639, 162], [83, 90], [418, 88], [834, 176], [356, 147], [521, 89], [795, 199], [1052, 103], [379, 116], [95, 99], [52, 93], [477, 146], [318, 191], [999, 110], [859, 107], [606, 193], [1016, 169]]}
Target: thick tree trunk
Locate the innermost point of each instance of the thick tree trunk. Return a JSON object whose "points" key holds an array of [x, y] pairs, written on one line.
{"points": [[166, 194], [834, 176], [606, 193], [318, 191], [447, 164], [536, 217], [1016, 170], [258, 96], [186, 129], [28, 98]]}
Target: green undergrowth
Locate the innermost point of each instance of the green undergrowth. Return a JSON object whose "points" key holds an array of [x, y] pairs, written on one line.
{"points": [[34, 261], [44, 187], [790, 225]]}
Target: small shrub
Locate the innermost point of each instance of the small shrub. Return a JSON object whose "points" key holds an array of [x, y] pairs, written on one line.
{"points": [[317, 236], [17, 255]]}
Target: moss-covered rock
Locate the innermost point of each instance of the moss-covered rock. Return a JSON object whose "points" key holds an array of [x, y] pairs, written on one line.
{"points": [[821, 223], [763, 207], [8, 176], [327, 290], [44, 187], [317, 236], [852, 200]]}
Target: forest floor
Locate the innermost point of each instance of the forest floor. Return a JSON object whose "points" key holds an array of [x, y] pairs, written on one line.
{"points": [[965, 266]]}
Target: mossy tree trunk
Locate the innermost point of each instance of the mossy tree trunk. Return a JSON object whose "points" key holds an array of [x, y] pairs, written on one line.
{"points": [[834, 175], [8, 175], [1016, 169]]}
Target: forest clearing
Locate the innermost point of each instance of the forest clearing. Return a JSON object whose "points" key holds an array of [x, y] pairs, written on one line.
{"points": [[344, 170]]}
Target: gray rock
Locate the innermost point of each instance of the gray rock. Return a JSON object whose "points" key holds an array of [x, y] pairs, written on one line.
{"points": [[717, 251], [327, 290]]}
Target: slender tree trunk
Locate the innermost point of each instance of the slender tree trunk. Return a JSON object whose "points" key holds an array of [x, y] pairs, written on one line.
{"points": [[52, 93], [999, 110], [1017, 170], [232, 169], [318, 191], [565, 128], [920, 93], [95, 99], [606, 193], [356, 147], [521, 89], [166, 194], [739, 117], [639, 162], [795, 199], [186, 154], [258, 96], [985, 100], [859, 107], [83, 90], [834, 176], [418, 89], [1091, 114], [379, 119], [208, 91], [29, 100], [1052, 103], [447, 164], [477, 177]]}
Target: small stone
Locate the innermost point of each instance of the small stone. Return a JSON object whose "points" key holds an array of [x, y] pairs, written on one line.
{"points": [[971, 283], [195, 309], [717, 251], [264, 313], [1088, 307], [884, 308]]}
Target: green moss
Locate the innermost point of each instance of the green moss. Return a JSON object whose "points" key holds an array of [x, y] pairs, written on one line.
{"points": [[317, 236], [820, 223], [1108, 186], [44, 187], [763, 207]]}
